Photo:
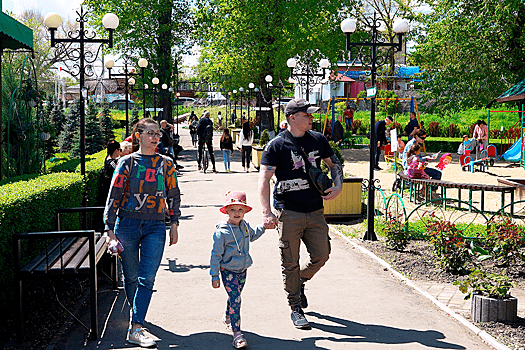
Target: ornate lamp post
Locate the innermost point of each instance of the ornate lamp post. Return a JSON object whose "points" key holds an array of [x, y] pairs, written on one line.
{"points": [[279, 87], [308, 73], [373, 60], [143, 63], [155, 82], [230, 104], [251, 87], [235, 104], [128, 80], [85, 59], [241, 89]]}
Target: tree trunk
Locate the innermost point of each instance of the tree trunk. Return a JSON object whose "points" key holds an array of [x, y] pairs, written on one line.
{"points": [[165, 68]]}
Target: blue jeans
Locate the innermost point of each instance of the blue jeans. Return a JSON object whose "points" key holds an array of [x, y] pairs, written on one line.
{"points": [[143, 242], [226, 153]]}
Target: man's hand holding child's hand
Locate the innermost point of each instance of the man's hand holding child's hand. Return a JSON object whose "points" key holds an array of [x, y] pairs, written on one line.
{"points": [[216, 283]]}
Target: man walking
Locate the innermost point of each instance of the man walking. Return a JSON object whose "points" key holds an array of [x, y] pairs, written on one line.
{"points": [[412, 127], [338, 131], [298, 204], [205, 135], [380, 130]]}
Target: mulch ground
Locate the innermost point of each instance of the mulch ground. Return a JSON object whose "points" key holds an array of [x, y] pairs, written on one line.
{"points": [[418, 263]]}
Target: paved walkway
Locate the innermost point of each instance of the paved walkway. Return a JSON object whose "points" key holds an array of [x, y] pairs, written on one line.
{"points": [[354, 302]]}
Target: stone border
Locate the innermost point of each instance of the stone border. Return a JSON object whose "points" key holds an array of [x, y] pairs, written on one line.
{"points": [[481, 333]]}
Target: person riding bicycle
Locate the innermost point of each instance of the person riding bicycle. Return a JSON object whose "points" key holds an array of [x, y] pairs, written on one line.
{"points": [[205, 135]]}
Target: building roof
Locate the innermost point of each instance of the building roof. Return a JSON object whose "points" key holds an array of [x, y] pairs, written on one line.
{"points": [[341, 77], [14, 35], [515, 93]]}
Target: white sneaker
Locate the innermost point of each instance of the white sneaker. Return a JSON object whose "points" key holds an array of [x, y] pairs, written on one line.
{"points": [[139, 338]]}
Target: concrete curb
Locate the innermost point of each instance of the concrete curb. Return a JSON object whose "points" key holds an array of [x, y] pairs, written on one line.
{"points": [[481, 333]]}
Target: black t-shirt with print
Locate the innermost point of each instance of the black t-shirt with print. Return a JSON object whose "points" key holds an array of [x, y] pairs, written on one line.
{"points": [[293, 190]]}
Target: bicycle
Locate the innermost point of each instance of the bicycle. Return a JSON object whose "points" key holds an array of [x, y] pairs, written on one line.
{"points": [[205, 158]]}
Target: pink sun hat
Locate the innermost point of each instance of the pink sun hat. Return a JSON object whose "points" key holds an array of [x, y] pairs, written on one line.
{"points": [[235, 197]]}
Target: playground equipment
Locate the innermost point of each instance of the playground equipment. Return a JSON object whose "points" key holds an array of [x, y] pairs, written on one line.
{"points": [[516, 152]]}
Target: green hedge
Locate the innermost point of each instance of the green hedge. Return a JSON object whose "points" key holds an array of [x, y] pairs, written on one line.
{"points": [[29, 203]]}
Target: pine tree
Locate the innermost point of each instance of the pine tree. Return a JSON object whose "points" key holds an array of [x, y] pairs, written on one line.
{"points": [[134, 118], [57, 120], [94, 138], [106, 124], [69, 134]]}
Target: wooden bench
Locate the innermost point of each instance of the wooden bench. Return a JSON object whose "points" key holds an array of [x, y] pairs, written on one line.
{"points": [[70, 253], [426, 184]]}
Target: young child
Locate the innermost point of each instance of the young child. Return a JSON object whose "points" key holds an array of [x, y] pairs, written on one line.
{"points": [[227, 148], [230, 255], [416, 163], [400, 145]]}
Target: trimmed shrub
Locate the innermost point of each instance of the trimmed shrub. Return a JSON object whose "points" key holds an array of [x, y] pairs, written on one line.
{"points": [[30, 206]]}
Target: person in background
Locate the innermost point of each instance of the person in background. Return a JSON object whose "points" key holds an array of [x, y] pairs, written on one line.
{"points": [[137, 230], [480, 134], [380, 130], [110, 164], [283, 126], [166, 139], [219, 120], [338, 133], [348, 114], [227, 148], [125, 148], [194, 122], [245, 145], [205, 134], [412, 127], [400, 145]]}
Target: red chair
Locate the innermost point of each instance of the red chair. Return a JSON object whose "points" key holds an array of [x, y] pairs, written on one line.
{"points": [[464, 159], [492, 154]]}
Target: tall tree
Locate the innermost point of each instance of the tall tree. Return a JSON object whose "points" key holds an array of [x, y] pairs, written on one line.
{"points": [[243, 41], [157, 31], [106, 124], [67, 138], [471, 51]]}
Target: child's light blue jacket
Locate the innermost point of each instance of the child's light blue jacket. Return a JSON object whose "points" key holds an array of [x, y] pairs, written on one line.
{"points": [[231, 247]]}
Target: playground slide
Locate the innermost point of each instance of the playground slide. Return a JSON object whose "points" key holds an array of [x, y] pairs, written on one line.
{"points": [[513, 154]]}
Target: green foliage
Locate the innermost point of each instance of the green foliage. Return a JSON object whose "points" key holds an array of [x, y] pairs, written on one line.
{"points": [[469, 55], [106, 124], [67, 137], [94, 138], [506, 240], [30, 205], [265, 138], [396, 237], [134, 118], [492, 285], [448, 245]]}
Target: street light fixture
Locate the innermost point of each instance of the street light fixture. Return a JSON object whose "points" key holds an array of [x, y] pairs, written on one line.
{"points": [[241, 89], [308, 73], [373, 60], [155, 82], [77, 54], [127, 74]]}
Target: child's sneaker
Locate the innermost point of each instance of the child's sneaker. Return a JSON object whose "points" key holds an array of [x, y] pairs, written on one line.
{"points": [[239, 341], [139, 338]]}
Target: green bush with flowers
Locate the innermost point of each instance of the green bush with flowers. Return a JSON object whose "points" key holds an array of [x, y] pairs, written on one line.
{"points": [[448, 245]]}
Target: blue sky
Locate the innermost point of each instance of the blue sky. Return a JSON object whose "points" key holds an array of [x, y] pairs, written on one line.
{"points": [[65, 8]]}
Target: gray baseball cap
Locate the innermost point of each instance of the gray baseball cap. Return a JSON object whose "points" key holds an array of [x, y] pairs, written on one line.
{"points": [[299, 105]]}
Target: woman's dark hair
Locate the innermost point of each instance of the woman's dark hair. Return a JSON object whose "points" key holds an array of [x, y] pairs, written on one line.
{"points": [[415, 147], [225, 135], [139, 127], [112, 147], [421, 133], [246, 130]]}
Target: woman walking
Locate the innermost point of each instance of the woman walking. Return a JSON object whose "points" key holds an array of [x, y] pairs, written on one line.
{"points": [[143, 183], [245, 145], [227, 148], [194, 122]]}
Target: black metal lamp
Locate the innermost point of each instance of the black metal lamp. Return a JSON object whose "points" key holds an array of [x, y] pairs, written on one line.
{"points": [[374, 60], [85, 59], [308, 75]]}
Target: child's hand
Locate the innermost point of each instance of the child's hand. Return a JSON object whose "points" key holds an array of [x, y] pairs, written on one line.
{"points": [[268, 225], [216, 283]]}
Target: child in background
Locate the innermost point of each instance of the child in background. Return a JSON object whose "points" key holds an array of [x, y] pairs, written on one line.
{"points": [[416, 163], [230, 255], [400, 145]]}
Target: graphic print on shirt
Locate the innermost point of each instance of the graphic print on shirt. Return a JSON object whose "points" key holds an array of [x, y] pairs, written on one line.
{"points": [[298, 163]]}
